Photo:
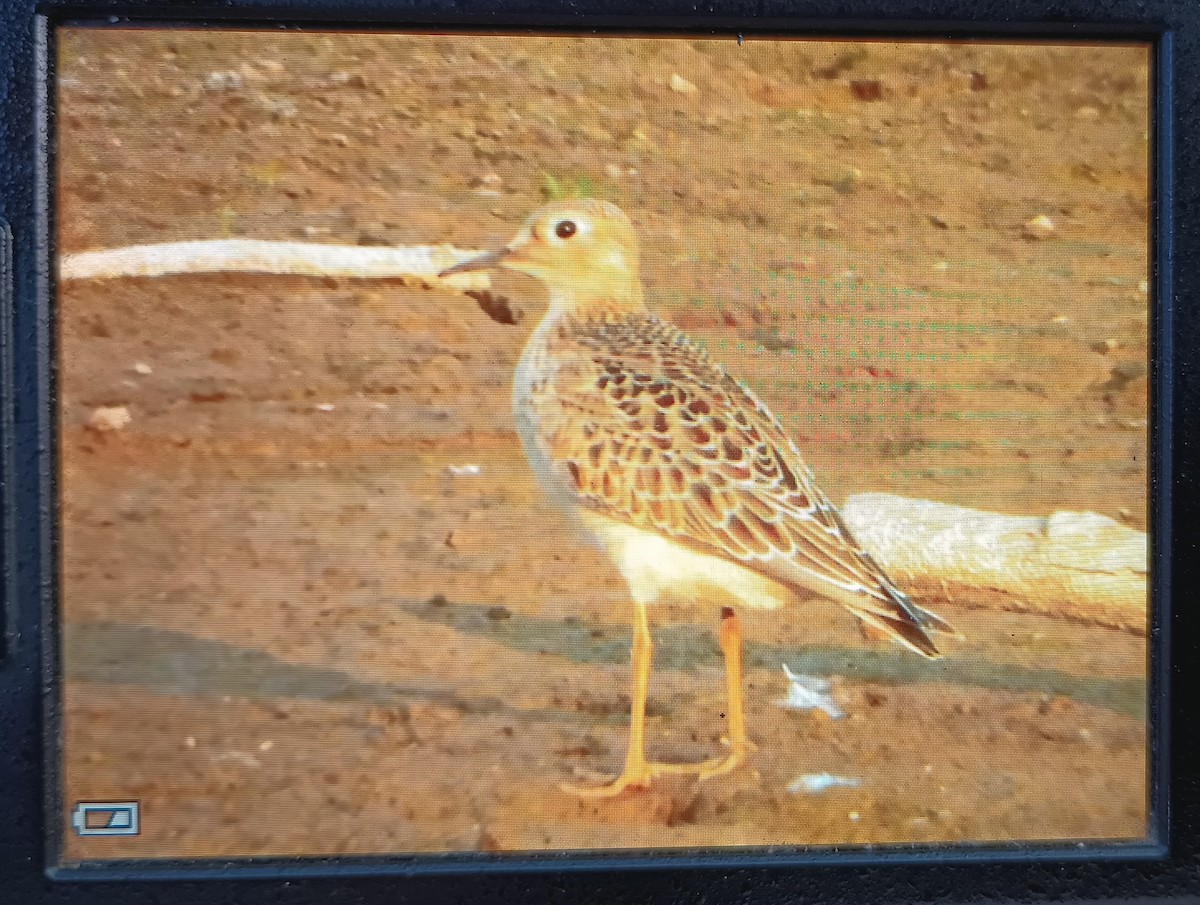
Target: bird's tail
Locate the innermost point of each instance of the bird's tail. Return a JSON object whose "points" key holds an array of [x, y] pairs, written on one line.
{"points": [[889, 609], [899, 618]]}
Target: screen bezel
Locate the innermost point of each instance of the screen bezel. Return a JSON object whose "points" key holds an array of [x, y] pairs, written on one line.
{"points": [[31, 556]]}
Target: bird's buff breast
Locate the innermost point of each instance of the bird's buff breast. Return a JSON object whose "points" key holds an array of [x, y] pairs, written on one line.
{"points": [[535, 368]]}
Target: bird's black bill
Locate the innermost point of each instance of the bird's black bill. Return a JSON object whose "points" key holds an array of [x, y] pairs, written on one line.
{"points": [[481, 262]]}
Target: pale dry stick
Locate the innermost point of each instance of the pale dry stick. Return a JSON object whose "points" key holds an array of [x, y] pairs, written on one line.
{"points": [[1079, 566], [418, 264]]}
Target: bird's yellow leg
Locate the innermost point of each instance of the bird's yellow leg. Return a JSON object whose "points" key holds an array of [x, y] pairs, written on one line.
{"points": [[739, 744], [731, 647], [638, 771]]}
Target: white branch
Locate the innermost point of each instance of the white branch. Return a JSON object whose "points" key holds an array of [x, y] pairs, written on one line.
{"points": [[1072, 565], [418, 264]]}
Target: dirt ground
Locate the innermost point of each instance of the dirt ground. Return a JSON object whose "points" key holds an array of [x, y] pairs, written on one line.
{"points": [[294, 621]]}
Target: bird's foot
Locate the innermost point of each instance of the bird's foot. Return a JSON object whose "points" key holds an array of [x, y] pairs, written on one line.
{"points": [[713, 766], [640, 775], [637, 776]]}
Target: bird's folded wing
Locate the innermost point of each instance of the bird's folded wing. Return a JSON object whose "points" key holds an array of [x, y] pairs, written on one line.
{"points": [[649, 431]]}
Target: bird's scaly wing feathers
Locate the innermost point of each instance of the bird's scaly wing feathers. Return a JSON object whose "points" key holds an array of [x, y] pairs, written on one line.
{"points": [[649, 431]]}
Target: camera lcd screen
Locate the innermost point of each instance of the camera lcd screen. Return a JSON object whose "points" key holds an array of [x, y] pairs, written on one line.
{"points": [[539, 443]]}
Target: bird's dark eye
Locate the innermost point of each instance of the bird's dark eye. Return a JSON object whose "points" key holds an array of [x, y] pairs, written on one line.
{"points": [[564, 229]]}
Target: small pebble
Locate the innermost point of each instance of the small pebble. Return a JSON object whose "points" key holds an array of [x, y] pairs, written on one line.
{"points": [[109, 418], [681, 85], [1039, 227], [142, 368], [488, 184], [223, 80], [281, 108]]}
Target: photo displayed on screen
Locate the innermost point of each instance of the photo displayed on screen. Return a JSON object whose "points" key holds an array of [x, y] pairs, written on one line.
{"points": [[512, 443]]}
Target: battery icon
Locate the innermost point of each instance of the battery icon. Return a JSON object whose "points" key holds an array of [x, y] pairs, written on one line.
{"points": [[106, 818]]}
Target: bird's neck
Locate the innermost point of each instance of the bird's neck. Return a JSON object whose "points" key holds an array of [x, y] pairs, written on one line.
{"points": [[611, 301]]}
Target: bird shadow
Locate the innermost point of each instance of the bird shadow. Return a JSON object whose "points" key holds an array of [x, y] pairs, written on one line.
{"points": [[687, 647], [173, 662]]}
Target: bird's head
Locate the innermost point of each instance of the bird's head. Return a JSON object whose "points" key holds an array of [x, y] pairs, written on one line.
{"points": [[585, 251]]}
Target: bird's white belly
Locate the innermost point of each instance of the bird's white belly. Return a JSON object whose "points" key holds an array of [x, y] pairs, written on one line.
{"points": [[655, 567]]}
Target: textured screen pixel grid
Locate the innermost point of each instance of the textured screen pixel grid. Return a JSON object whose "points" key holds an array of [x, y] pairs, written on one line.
{"points": [[314, 600]]}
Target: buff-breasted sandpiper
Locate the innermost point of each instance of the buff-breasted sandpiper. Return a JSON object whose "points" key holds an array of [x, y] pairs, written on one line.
{"points": [[678, 470]]}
